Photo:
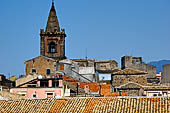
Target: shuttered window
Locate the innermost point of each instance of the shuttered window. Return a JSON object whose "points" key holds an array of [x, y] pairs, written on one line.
{"points": [[61, 67]]}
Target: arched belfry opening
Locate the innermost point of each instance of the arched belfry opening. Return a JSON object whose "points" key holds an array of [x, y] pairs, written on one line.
{"points": [[52, 47]]}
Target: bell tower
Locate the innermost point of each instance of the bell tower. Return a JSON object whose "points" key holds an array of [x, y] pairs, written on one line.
{"points": [[53, 39]]}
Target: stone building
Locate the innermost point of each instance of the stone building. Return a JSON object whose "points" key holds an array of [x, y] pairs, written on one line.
{"points": [[166, 74], [129, 80], [103, 68], [159, 90], [85, 62], [52, 60], [106, 66], [52, 48], [5, 83], [136, 63], [75, 70], [100, 66], [2, 79], [40, 65]]}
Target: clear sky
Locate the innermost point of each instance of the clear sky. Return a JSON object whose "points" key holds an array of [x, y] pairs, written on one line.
{"points": [[108, 29]]}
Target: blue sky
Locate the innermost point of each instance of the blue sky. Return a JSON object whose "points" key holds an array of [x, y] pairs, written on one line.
{"points": [[108, 29]]}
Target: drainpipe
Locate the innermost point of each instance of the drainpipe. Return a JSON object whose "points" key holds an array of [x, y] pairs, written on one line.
{"points": [[99, 89], [77, 88], [55, 68]]}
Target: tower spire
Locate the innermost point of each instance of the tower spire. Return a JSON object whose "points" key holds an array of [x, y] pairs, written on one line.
{"points": [[52, 40], [52, 23]]}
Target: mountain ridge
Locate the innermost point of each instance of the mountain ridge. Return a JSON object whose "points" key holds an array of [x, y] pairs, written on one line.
{"points": [[159, 64]]}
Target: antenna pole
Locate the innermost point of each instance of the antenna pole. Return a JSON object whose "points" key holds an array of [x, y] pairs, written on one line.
{"points": [[86, 59], [86, 53]]}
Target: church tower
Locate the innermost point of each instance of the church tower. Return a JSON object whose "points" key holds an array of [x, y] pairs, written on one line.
{"points": [[53, 39]]}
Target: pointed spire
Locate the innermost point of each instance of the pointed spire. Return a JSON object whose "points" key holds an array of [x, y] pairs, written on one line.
{"points": [[52, 23]]}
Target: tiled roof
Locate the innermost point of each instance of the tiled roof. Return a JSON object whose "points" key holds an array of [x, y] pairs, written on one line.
{"points": [[40, 57], [129, 71], [89, 105], [92, 86], [8, 95]]}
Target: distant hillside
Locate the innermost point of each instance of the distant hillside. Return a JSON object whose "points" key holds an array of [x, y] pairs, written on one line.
{"points": [[159, 64]]}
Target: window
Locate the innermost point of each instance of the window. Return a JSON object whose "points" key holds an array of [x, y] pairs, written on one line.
{"points": [[33, 70], [86, 89], [60, 76], [23, 94], [55, 83], [52, 47], [154, 95], [0, 88], [137, 62], [34, 95], [61, 67], [48, 71], [86, 86], [50, 95], [43, 83], [164, 94], [32, 85]]}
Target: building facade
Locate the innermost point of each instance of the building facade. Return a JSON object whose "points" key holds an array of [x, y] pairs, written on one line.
{"points": [[40, 65], [137, 63], [39, 87], [130, 81], [166, 74]]}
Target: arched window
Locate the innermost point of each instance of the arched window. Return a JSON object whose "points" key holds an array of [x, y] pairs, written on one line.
{"points": [[33, 70], [48, 71], [52, 47]]}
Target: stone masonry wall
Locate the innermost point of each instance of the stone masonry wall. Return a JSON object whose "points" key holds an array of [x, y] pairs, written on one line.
{"points": [[166, 74], [118, 80], [40, 64], [105, 65], [136, 63]]}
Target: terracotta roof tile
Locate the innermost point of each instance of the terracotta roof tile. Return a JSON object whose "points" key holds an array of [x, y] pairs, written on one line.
{"points": [[93, 86], [88, 105]]}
